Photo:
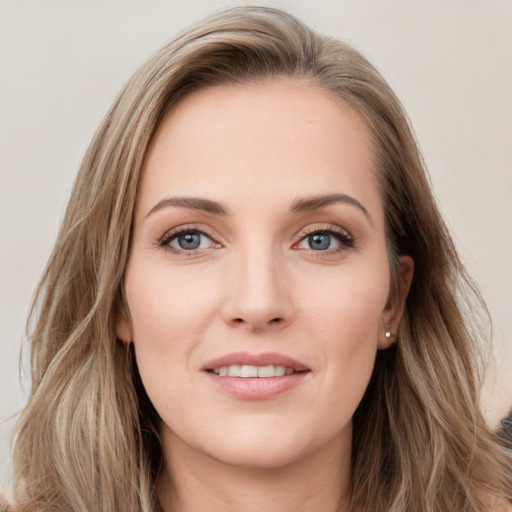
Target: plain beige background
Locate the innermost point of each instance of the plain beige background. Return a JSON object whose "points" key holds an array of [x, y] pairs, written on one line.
{"points": [[63, 61]]}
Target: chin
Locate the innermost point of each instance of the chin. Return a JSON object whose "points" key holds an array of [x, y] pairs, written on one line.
{"points": [[257, 458], [266, 448]]}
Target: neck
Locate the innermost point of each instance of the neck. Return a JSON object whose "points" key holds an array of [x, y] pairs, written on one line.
{"points": [[194, 482]]}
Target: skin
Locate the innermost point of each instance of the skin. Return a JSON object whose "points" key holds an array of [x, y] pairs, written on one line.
{"points": [[256, 285]]}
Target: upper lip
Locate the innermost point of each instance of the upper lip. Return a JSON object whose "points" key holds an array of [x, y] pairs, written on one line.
{"points": [[263, 359]]}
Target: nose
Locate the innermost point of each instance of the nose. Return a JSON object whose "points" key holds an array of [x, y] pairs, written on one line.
{"points": [[258, 293]]}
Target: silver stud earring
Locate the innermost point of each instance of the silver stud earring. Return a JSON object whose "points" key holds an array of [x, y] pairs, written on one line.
{"points": [[388, 332]]}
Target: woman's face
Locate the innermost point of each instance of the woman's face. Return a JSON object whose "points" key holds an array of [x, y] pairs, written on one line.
{"points": [[258, 252]]}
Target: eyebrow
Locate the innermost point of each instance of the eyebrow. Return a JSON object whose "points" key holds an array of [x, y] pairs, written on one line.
{"points": [[316, 203], [299, 205], [193, 203]]}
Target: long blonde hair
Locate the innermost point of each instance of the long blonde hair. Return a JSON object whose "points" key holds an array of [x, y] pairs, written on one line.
{"points": [[88, 438]]}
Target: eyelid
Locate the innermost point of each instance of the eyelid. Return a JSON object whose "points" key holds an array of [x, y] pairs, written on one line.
{"points": [[332, 228], [345, 238], [163, 241]]}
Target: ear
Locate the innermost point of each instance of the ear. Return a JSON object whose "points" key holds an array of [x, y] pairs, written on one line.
{"points": [[392, 314], [123, 327]]}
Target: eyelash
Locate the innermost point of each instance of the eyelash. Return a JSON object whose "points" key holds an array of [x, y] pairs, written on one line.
{"points": [[164, 243], [342, 236]]}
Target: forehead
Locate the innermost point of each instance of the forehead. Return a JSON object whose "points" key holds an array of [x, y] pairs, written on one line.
{"points": [[279, 139]]}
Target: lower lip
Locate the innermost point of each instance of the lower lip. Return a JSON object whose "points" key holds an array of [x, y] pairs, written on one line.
{"points": [[257, 388]]}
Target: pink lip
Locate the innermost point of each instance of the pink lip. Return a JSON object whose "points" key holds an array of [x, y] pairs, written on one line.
{"points": [[256, 388], [264, 359]]}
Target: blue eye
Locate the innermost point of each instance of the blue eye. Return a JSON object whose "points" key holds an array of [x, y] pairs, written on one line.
{"points": [[319, 241], [188, 240], [326, 240]]}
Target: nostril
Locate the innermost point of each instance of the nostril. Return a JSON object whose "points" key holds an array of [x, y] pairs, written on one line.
{"points": [[256, 324]]}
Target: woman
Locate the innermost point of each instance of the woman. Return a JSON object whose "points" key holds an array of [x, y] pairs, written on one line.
{"points": [[253, 302]]}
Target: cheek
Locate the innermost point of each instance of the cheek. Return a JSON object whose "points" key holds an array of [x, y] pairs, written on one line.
{"points": [[169, 311], [352, 322], [346, 321], [347, 305], [166, 303]]}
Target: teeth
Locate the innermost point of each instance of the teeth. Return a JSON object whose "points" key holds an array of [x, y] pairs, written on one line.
{"points": [[245, 371], [266, 371], [234, 370], [248, 371], [280, 371]]}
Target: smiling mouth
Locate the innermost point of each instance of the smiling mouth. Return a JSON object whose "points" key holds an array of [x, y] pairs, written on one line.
{"points": [[256, 376], [246, 365], [248, 371]]}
